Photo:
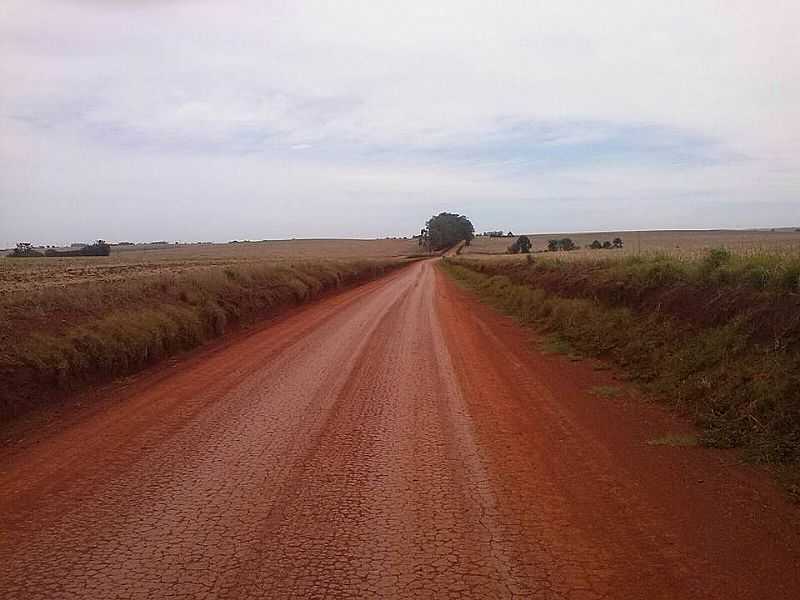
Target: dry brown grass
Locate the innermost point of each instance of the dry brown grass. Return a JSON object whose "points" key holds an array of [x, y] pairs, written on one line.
{"points": [[126, 263], [60, 338], [687, 245], [66, 323]]}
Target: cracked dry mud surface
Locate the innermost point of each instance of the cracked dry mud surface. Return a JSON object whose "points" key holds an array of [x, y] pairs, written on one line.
{"points": [[397, 440]]}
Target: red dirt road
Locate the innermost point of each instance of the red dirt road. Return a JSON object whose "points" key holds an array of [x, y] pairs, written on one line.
{"points": [[397, 440]]}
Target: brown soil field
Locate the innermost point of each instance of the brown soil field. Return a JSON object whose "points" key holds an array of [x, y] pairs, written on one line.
{"points": [[128, 262], [688, 244]]}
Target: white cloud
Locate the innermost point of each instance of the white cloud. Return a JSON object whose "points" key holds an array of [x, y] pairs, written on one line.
{"points": [[390, 105]]}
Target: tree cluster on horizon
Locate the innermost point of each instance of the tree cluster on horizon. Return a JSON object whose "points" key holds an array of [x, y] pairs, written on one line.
{"points": [[445, 230], [606, 245], [521, 244], [562, 244]]}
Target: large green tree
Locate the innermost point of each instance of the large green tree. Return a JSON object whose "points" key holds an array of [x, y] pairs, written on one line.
{"points": [[446, 229]]}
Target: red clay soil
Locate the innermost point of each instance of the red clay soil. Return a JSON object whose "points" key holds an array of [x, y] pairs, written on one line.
{"points": [[397, 440]]}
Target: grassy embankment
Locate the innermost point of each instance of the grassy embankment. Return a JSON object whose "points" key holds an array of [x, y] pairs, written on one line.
{"points": [[718, 338], [58, 339]]}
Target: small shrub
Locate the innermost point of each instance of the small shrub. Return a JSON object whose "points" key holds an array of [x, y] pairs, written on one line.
{"points": [[790, 277], [714, 260], [756, 276]]}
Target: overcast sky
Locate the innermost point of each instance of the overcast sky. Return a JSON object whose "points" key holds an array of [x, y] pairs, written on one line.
{"points": [[206, 120]]}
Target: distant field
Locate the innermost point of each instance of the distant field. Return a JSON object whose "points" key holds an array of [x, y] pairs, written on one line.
{"points": [[127, 262], [676, 243]]}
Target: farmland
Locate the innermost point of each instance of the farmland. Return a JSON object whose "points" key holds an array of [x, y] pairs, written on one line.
{"points": [[69, 322], [680, 244], [131, 262]]}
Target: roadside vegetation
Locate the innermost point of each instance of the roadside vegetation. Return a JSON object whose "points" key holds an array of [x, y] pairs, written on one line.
{"points": [[59, 338], [717, 337]]}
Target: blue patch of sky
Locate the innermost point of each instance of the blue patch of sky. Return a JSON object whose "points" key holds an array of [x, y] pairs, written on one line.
{"points": [[530, 147], [535, 146], [509, 147]]}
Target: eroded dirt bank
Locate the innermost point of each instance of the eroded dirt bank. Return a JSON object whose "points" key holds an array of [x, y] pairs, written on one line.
{"points": [[398, 440]]}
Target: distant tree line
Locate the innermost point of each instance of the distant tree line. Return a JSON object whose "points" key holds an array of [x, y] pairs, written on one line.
{"points": [[496, 234], [569, 244], [562, 244], [99, 248], [26, 250], [606, 245]]}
